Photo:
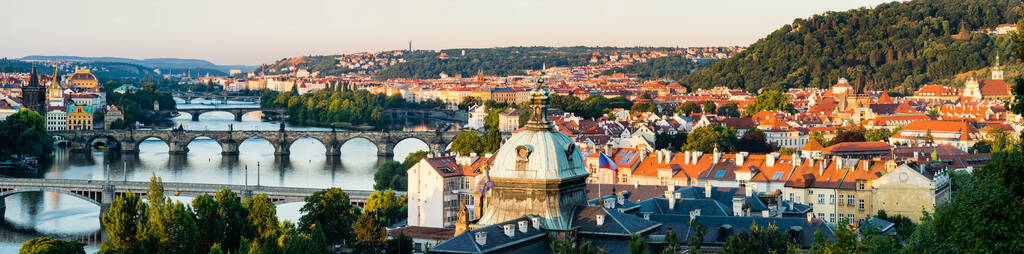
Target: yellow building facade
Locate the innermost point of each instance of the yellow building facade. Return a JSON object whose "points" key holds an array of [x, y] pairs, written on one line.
{"points": [[79, 118]]}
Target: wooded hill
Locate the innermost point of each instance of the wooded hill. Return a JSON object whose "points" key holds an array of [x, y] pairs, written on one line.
{"points": [[895, 46]]}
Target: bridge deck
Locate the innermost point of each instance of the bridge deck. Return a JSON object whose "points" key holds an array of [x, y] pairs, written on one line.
{"points": [[171, 187]]}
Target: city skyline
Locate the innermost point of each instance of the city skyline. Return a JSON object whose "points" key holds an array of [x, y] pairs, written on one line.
{"points": [[258, 32]]}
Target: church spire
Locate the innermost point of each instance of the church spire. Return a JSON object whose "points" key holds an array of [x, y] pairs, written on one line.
{"points": [[539, 108], [55, 77], [33, 79]]}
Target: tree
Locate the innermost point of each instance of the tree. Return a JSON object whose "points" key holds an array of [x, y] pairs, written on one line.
{"points": [[819, 137], [467, 142], [24, 133], [757, 240], [414, 158], [709, 107], [387, 205], [370, 234], [332, 211], [672, 243], [845, 242], [643, 107], [390, 175], [729, 110], [851, 135], [209, 222], [688, 108], [769, 101], [880, 134], [125, 225], [118, 124], [176, 229], [49, 245], [753, 141], [262, 214], [698, 236], [637, 245], [707, 138], [235, 217], [400, 244], [491, 141]]}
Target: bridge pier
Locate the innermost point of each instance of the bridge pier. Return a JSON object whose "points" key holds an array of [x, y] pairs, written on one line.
{"points": [[333, 150], [177, 148], [238, 116], [385, 149], [228, 147], [129, 147], [106, 197], [282, 149], [195, 116]]}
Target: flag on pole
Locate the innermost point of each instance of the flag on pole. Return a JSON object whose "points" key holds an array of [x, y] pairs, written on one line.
{"points": [[604, 162]]}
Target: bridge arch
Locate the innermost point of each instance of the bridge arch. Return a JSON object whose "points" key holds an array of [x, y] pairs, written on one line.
{"points": [[377, 144], [329, 145], [57, 190], [191, 139]]}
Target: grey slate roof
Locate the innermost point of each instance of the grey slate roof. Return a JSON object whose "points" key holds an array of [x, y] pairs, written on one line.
{"points": [[716, 232], [615, 223], [533, 240]]}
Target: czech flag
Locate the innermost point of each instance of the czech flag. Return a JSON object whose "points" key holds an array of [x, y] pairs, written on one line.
{"points": [[604, 162]]}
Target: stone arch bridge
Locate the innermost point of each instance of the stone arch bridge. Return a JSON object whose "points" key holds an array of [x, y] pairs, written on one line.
{"points": [[178, 139], [238, 112]]}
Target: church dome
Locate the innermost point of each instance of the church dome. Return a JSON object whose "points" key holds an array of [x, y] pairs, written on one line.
{"points": [[82, 75], [538, 151]]}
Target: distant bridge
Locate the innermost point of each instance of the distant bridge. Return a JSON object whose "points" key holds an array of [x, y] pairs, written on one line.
{"points": [[177, 140], [222, 96], [237, 111], [102, 193]]}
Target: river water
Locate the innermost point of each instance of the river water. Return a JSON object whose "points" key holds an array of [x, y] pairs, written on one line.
{"points": [[48, 213]]}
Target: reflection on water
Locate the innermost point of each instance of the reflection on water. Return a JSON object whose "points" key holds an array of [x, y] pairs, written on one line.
{"points": [[46, 213]]}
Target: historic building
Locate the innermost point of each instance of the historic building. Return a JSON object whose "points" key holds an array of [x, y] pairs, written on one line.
{"points": [[33, 95], [83, 79], [79, 117]]}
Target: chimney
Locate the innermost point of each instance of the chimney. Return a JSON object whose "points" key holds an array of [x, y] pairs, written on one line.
{"points": [[600, 219], [865, 164], [915, 156], [796, 159], [668, 156], [718, 157], [821, 169], [481, 237], [810, 217], [696, 157], [737, 205], [509, 230], [671, 202], [707, 190], [770, 159], [686, 160], [523, 226], [748, 190], [839, 162], [790, 205], [620, 199], [740, 156], [608, 150]]}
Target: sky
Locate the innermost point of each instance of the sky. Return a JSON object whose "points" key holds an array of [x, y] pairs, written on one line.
{"points": [[252, 32]]}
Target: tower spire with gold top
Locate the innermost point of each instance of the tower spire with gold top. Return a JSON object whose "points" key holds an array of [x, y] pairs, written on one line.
{"points": [[539, 107]]}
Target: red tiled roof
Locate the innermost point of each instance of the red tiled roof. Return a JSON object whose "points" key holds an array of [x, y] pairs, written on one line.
{"points": [[858, 146]]}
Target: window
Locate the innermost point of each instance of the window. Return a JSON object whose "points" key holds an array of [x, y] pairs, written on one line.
{"points": [[790, 196], [850, 217], [821, 215], [860, 204], [849, 200], [840, 199], [832, 218], [860, 185], [831, 199], [821, 199], [777, 175], [720, 173]]}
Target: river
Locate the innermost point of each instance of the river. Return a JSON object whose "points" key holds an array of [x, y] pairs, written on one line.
{"points": [[52, 214]]}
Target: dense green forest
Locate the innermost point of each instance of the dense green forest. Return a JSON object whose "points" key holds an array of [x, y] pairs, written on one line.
{"points": [[338, 105], [102, 70], [666, 67], [894, 46]]}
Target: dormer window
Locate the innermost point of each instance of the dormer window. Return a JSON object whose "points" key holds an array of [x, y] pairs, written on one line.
{"points": [[523, 226], [523, 160], [480, 237], [508, 230], [536, 222]]}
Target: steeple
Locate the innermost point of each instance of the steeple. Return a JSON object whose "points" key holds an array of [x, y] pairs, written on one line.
{"points": [[33, 79], [539, 108], [56, 77], [997, 70]]}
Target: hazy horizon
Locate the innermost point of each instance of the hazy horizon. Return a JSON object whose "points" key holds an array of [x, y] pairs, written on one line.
{"points": [[241, 32]]}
